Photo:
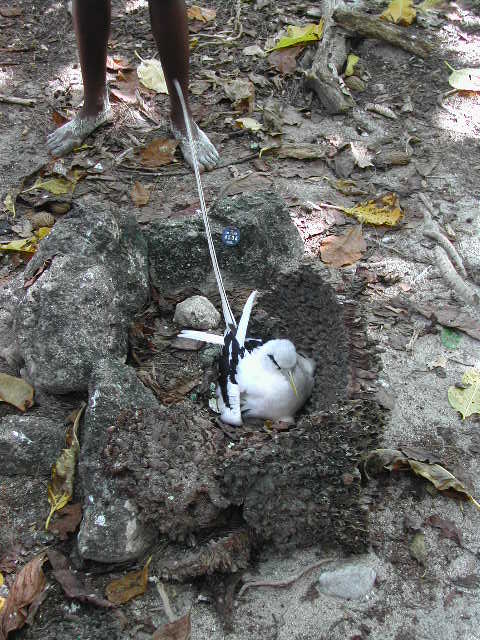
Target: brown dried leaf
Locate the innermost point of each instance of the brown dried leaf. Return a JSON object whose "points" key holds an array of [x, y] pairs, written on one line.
{"points": [[447, 527], [70, 583], [180, 629], [140, 195], [285, 60], [66, 520], [339, 251], [126, 87], [130, 586], [16, 392], [159, 152], [29, 583]]}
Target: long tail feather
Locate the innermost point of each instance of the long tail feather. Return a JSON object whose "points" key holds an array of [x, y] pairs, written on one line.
{"points": [[202, 336], [244, 320], [227, 311]]}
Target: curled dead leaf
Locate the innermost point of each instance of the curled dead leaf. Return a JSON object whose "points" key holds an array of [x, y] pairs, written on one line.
{"points": [[180, 629], [385, 210], [28, 585], [130, 586], [60, 488]]}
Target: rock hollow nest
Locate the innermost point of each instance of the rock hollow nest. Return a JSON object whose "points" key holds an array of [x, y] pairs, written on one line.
{"points": [[214, 494]]}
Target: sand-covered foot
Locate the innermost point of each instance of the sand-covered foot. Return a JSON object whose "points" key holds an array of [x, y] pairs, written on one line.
{"points": [[207, 155], [72, 134]]}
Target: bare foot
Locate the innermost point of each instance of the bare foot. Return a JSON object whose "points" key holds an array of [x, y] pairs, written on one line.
{"points": [[207, 155], [73, 133]]}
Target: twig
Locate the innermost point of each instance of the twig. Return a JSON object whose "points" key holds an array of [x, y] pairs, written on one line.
{"points": [[284, 583], [432, 230], [26, 102], [166, 174], [372, 27], [447, 257]]}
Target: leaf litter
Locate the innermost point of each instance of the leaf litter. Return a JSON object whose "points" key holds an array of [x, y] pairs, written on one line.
{"points": [[60, 488], [130, 586], [16, 392], [466, 400]]}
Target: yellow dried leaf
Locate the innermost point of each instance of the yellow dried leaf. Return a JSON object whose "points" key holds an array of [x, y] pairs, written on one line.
{"points": [[42, 232], [9, 203], [201, 14], [133, 584], [464, 79], [57, 186], [466, 401], [151, 75], [386, 211], [400, 12], [248, 123], [60, 488], [351, 62], [300, 35], [16, 392], [27, 245]]}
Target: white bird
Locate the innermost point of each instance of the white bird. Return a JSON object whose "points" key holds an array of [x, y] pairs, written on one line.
{"points": [[269, 381]]}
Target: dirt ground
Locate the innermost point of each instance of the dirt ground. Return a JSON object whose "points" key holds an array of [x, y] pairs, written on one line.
{"points": [[422, 594]]}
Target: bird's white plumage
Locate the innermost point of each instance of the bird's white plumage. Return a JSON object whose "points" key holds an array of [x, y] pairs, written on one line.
{"points": [[271, 381]]}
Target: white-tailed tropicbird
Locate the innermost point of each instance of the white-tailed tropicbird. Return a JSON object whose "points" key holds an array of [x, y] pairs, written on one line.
{"points": [[271, 380]]}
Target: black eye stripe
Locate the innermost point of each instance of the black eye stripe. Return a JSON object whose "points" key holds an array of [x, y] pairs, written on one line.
{"points": [[274, 361]]}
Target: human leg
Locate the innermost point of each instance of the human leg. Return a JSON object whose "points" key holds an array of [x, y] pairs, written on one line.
{"points": [[170, 30], [92, 24]]}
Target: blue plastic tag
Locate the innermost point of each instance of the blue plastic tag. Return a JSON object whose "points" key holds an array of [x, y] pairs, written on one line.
{"points": [[231, 236]]}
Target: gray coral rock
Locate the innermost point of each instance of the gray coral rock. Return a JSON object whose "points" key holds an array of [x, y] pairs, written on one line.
{"points": [[79, 309], [351, 581], [111, 530], [29, 445], [197, 312], [269, 242]]}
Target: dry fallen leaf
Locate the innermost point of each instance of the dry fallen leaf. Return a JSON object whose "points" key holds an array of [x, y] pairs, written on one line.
{"points": [[352, 60], [126, 87], [10, 12], [130, 586], [400, 12], [180, 629], [300, 151], [339, 251], [285, 60], [467, 79], [466, 401], [378, 460], [242, 94], [151, 75], [140, 195], [66, 520], [300, 35], [386, 210], [202, 14], [60, 488], [114, 64], [28, 585], [71, 584], [159, 152], [16, 392], [362, 156], [250, 124]]}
